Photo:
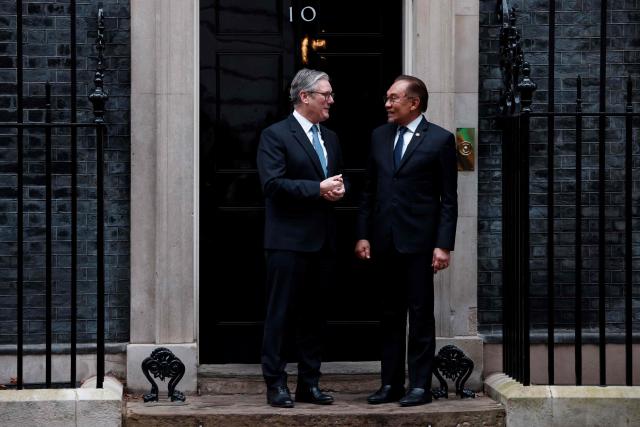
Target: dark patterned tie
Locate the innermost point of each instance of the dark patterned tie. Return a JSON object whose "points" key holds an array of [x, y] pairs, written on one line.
{"points": [[397, 150]]}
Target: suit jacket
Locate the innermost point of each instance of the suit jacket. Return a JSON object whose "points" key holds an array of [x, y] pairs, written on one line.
{"points": [[297, 218], [414, 208]]}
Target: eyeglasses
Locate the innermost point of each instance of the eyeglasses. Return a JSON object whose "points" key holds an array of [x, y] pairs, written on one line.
{"points": [[393, 99], [326, 95]]}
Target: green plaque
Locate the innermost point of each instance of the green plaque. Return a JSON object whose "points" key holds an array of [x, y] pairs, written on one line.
{"points": [[465, 143]]}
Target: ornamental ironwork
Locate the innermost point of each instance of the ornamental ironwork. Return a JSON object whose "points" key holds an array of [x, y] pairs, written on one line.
{"points": [[452, 363], [518, 88], [99, 97], [163, 364]]}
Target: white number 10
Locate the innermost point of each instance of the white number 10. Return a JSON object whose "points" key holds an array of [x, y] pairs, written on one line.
{"points": [[307, 14]]}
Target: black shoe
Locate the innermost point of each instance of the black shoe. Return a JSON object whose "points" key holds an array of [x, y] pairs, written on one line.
{"points": [[279, 397], [386, 394], [312, 395], [416, 396]]}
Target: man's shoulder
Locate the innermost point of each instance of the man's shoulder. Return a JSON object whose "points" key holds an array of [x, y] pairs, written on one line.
{"points": [[438, 130], [282, 124], [278, 129]]}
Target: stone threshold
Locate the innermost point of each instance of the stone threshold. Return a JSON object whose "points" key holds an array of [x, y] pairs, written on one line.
{"points": [[238, 369], [348, 410], [343, 377], [544, 405]]}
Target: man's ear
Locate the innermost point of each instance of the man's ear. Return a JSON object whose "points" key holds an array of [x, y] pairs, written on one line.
{"points": [[415, 103], [304, 96]]}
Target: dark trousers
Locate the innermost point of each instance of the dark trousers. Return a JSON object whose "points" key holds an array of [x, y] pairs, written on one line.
{"points": [[296, 288], [407, 284]]}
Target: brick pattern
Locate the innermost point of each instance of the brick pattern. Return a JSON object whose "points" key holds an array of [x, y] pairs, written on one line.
{"points": [[577, 52], [46, 29]]}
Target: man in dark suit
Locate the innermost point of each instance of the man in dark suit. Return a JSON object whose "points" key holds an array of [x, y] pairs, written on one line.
{"points": [[299, 163], [407, 226]]}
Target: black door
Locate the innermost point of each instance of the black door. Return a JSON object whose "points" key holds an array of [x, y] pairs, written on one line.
{"points": [[249, 51]]}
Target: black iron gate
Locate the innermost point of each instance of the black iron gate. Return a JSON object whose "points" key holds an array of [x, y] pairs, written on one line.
{"points": [[20, 131], [518, 122]]}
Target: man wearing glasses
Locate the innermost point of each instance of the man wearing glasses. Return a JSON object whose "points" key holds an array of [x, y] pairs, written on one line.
{"points": [[299, 164], [407, 226]]}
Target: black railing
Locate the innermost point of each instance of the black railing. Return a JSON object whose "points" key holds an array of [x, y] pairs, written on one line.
{"points": [[515, 102], [21, 129], [516, 116]]}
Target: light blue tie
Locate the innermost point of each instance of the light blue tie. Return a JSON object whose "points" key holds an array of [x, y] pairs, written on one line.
{"points": [[319, 151]]}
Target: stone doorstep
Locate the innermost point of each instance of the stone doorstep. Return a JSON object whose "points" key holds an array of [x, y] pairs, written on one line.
{"points": [[348, 410], [255, 385], [341, 377], [84, 406], [565, 405]]}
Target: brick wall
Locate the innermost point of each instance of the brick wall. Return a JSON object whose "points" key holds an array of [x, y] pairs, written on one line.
{"points": [[577, 52], [47, 58]]}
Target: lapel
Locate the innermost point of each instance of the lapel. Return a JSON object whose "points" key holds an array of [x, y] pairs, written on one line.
{"points": [[389, 139], [417, 139], [301, 137]]}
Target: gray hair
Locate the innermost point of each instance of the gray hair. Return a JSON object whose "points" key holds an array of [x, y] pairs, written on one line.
{"points": [[305, 81]]}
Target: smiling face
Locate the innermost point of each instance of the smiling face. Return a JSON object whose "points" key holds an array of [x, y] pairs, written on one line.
{"points": [[401, 108], [314, 104]]}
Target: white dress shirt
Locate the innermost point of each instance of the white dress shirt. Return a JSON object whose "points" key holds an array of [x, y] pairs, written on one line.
{"points": [[306, 126], [411, 129]]}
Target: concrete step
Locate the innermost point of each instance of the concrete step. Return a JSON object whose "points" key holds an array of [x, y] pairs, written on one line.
{"points": [[341, 377], [349, 409]]}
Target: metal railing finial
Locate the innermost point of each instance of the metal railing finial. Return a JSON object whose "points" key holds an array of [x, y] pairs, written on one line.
{"points": [[512, 64], [99, 97]]}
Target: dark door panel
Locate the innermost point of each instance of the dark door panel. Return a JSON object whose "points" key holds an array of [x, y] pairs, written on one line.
{"points": [[246, 16], [249, 51], [235, 189], [354, 130], [236, 294]]}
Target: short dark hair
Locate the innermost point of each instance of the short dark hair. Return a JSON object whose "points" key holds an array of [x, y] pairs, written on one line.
{"points": [[416, 88]]}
